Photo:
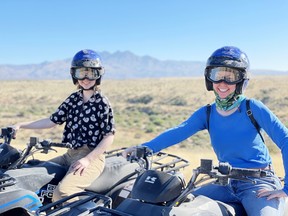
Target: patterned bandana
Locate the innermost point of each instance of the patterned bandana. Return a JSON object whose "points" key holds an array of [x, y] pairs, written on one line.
{"points": [[230, 102]]}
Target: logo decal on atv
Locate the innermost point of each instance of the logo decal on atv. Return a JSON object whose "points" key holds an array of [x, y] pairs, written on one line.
{"points": [[150, 179], [47, 193]]}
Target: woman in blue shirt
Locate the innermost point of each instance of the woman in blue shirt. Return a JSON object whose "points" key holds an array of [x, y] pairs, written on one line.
{"points": [[233, 137]]}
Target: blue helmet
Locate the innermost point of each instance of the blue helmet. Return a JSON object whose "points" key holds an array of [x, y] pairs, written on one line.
{"points": [[87, 59], [231, 57]]}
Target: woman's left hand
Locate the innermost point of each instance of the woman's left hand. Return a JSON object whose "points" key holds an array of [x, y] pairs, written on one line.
{"points": [[271, 194], [79, 166]]}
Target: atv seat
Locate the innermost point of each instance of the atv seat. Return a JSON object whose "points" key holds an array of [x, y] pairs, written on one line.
{"points": [[116, 169]]}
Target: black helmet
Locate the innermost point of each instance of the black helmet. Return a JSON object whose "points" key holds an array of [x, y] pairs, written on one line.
{"points": [[87, 59], [8, 155], [229, 57]]}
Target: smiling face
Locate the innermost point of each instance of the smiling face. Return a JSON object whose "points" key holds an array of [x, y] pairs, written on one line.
{"points": [[223, 89], [86, 83]]}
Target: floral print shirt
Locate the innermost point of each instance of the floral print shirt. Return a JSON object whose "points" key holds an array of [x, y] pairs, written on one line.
{"points": [[86, 123]]}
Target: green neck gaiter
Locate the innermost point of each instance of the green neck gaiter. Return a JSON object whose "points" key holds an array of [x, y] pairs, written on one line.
{"points": [[228, 103]]}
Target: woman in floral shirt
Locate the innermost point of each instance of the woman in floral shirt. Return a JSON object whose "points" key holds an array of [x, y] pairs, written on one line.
{"points": [[89, 126]]}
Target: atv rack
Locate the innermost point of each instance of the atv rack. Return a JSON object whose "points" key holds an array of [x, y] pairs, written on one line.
{"points": [[161, 161], [87, 203]]}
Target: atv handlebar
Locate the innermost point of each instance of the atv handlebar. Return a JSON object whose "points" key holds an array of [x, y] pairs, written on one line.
{"points": [[224, 171], [7, 134], [34, 145], [160, 161], [143, 155], [34, 141]]}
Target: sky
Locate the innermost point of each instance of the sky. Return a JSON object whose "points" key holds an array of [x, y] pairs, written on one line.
{"points": [[35, 31]]}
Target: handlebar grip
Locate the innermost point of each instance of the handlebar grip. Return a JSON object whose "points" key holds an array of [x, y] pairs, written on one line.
{"points": [[118, 154], [227, 169], [61, 145], [248, 172], [8, 133]]}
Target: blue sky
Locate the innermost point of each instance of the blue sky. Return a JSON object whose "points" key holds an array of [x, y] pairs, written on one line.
{"points": [[34, 31]]}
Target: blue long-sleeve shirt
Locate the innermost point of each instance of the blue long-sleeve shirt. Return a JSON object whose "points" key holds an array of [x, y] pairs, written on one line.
{"points": [[234, 138]]}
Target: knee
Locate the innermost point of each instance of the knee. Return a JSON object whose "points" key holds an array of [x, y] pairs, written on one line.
{"points": [[60, 192], [56, 195], [65, 190]]}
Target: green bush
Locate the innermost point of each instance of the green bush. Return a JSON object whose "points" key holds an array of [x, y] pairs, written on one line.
{"points": [[145, 99]]}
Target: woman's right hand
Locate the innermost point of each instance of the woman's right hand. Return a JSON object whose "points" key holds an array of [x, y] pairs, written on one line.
{"points": [[14, 128]]}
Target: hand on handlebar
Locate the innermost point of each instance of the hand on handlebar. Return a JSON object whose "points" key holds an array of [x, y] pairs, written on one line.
{"points": [[14, 127], [129, 151], [137, 152], [9, 132]]}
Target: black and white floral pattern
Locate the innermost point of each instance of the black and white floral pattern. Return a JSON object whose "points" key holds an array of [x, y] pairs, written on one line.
{"points": [[86, 123]]}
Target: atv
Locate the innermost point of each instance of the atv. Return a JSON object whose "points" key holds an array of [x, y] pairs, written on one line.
{"points": [[158, 193], [27, 184]]}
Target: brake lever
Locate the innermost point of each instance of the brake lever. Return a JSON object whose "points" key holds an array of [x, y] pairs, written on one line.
{"points": [[46, 150], [132, 158]]}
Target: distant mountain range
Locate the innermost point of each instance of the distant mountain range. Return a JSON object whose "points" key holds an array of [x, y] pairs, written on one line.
{"points": [[118, 65]]}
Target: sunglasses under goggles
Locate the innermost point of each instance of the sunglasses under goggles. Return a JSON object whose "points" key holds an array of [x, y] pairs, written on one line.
{"points": [[224, 74], [86, 73]]}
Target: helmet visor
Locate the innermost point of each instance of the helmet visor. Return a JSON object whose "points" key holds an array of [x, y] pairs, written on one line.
{"points": [[224, 74], [86, 73]]}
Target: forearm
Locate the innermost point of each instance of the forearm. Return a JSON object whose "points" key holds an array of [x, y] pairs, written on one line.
{"points": [[39, 124], [170, 137], [101, 148]]}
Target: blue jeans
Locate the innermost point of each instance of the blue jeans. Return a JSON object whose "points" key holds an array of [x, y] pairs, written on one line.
{"points": [[244, 193]]}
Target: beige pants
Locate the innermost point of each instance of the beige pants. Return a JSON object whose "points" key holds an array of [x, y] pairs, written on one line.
{"points": [[71, 183]]}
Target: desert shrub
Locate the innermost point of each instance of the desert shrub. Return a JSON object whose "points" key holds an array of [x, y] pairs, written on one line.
{"points": [[178, 101], [145, 99]]}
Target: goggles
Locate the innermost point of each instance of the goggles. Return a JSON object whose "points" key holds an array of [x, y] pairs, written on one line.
{"points": [[224, 74], [86, 73]]}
